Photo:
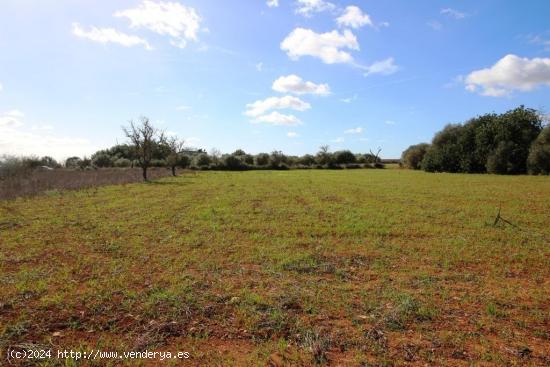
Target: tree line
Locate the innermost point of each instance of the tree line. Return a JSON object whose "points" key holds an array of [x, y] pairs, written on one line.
{"points": [[149, 147], [514, 142]]}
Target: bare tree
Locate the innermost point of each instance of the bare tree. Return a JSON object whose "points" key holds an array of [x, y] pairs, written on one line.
{"points": [[175, 146], [144, 137], [376, 156]]}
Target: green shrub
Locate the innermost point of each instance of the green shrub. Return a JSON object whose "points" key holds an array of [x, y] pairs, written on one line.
{"points": [[413, 155], [233, 162], [262, 159], [123, 162], [538, 161], [344, 156], [203, 160]]}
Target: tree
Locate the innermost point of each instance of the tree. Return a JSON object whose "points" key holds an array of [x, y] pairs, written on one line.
{"points": [[175, 146], [444, 154], [72, 162], [413, 155], [344, 157], [102, 160], [144, 137], [262, 159], [539, 154], [323, 156]]}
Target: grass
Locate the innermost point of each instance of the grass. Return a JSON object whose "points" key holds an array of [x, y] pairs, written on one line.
{"points": [[350, 267]]}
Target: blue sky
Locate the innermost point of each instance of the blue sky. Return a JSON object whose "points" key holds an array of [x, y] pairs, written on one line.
{"points": [[242, 74]]}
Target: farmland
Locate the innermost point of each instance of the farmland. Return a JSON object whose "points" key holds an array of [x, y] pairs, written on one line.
{"points": [[301, 267]]}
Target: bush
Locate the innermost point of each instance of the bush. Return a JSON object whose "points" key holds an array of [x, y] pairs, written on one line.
{"points": [[344, 156], [73, 162], [233, 162], [184, 161], [102, 160], [278, 159], [306, 160], [489, 143], [158, 163], [262, 159], [123, 162], [413, 155], [248, 159], [203, 160], [538, 161], [444, 154], [353, 166], [13, 167]]}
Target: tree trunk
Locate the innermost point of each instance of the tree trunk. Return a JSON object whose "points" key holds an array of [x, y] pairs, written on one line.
{"points": [[174, 171], [144, 170]]}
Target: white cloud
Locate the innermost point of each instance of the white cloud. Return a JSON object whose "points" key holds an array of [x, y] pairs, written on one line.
{"points": [[183, 108], [110, 35], [384, 67], [295, 84], [260, 107], [357, 130], [1, 87], [509, 74], [307, 7], [326, 46], [276, 118], [272, 3], [454, 13], [389, 122], [180, 22], [353, 17], [15, 140], [259, 66], [292, 134], [338, 140], [435, 25], [11, 118]]}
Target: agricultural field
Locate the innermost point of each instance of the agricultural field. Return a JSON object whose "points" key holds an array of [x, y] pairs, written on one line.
{"points": [[285, 268]]}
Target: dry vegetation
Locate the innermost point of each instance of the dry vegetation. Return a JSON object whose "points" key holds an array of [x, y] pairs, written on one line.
{"points": [[36, 181], [295, 268]]}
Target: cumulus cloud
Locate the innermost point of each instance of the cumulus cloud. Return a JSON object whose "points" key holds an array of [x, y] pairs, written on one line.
{"points": [[357, 130], [295, 84], [326, 46], [276, 118], [272, 3], [353, 17], [173, 19], [454, 13], [384, 67], [260, 107], [110, 35], [509, 74], [308, 7], [292, 134], [38, 140]]}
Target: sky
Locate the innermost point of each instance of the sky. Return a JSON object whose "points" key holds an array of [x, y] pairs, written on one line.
{"points": [[263, 75]]}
